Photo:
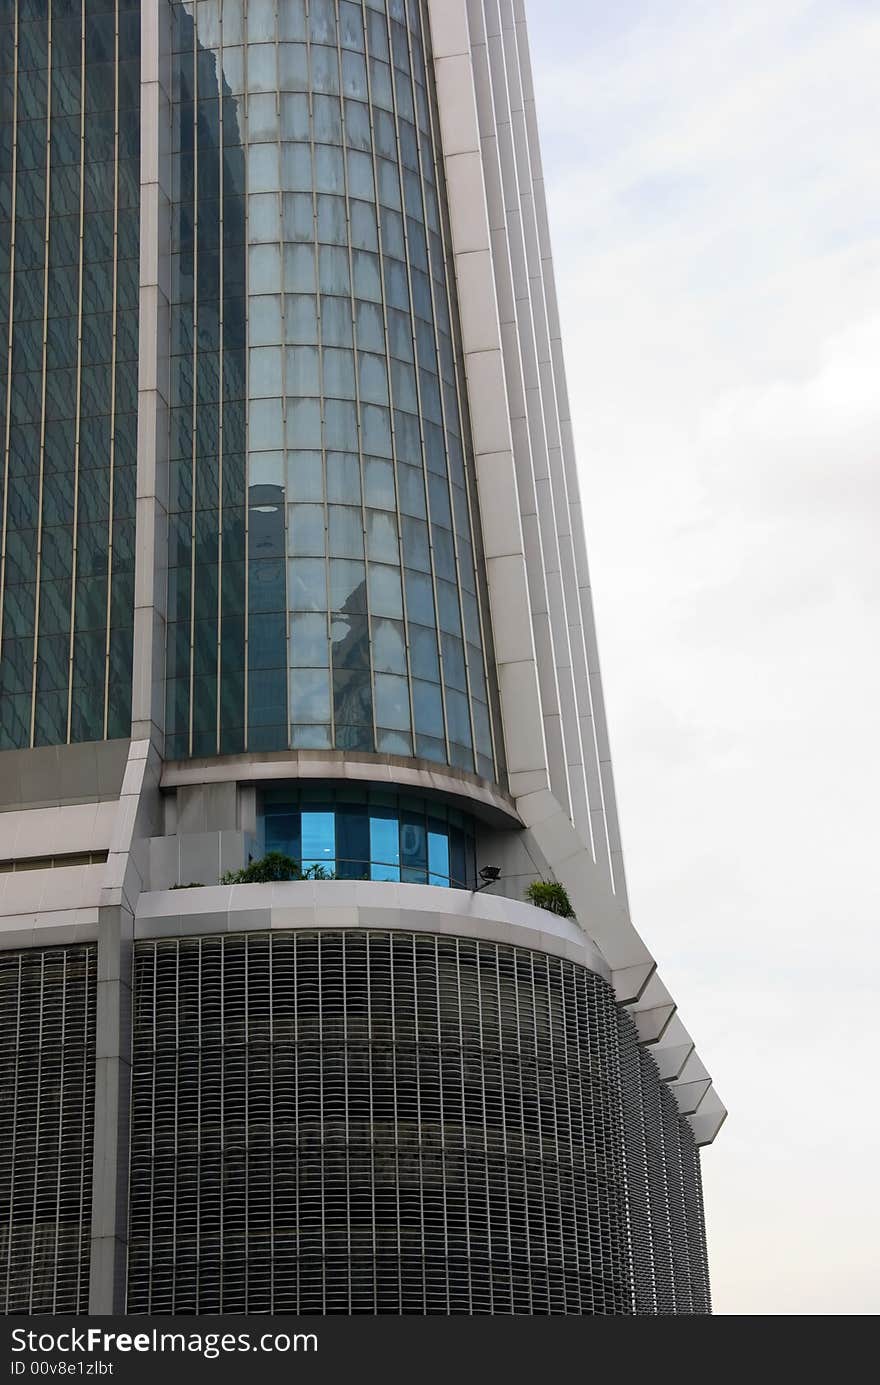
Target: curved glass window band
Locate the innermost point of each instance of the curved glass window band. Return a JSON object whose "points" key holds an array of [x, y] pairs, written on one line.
{"points": [[372, 834]]}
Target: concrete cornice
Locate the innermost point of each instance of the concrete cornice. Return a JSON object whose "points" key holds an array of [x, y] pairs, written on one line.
{"points": [[483, 799]]}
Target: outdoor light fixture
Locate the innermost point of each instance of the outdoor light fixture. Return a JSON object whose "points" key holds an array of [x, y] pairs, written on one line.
{"points": [[488, 875]]}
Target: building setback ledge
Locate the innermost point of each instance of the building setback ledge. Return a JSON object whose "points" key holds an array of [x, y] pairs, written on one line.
{"points": [[369, 904]]}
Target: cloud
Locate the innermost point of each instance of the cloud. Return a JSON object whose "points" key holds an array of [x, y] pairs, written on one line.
{"points": [[715, 203]]}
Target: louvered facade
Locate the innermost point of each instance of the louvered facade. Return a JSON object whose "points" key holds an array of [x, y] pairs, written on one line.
{"points": [[371, 1122], [47, 1096]]}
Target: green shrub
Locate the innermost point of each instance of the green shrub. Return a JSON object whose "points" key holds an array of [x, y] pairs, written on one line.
{"points": [[192, 885], [318, 872], [274, 866], [550, 895]]}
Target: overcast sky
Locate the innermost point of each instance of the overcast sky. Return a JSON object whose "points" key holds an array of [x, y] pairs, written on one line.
{"points": [[714, 182]]}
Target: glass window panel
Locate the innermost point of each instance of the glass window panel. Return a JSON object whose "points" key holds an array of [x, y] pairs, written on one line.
{"points": [[292, 20], [336, 322], [302, 371], [354, 75], [373, 378], [260, 20], [265, 425], [332, 224], [301, 317], [376, 425], [370, 326], [295, 120], [263, 122], [325, 69], [293, 67], [458, 716], [457, 857], [413, 848], [416, 549], [427, 708], [411, 485], [423, 652], [379, 483], [364, 234], [453, 664], [327, 116], [334, 271], [438, 853], [264, 320], [357, 123], [299, 268], [307, 584], [318, 839], [309, 695], [360, 175], [365, 267], [348, 587], [350, 636], [340, 425], [352, 698], [262, 168], [482, 729], [384, 844], [282, 833], [385, 594], [298, 217], [419, 598], [265, 371], [403, 385], [394, 742], [306, 535], [296, 167], [305, 476], [351, 26], [388, 646], [303, 423], [329, 170], [343, 477], [309, 647], [447, 602], [310, 737], [399, 335], [346, 532], [392, 702], [352, 842], [339, 373], [382, 540]]}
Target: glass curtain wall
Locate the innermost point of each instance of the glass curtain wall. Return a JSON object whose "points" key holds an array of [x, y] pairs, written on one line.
{"points": [[327, 597], [69, 175]]}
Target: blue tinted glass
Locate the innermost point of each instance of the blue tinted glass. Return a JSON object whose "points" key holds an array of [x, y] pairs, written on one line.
{"points": [[318, 840], [353, 842], [458, 857], [413, 848], [384, 845], [438, 854], [282, 834]]}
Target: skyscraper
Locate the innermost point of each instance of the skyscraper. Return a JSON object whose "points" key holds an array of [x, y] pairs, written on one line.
{"points": [[293, 568]]}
